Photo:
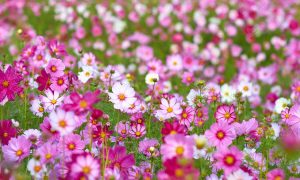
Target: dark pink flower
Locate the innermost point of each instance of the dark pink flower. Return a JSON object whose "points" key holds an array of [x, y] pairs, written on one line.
{"points": [[9, 84]]}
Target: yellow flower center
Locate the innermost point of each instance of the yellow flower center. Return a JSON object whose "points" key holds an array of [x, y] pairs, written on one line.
{"points": [[138, 133], [19, 152], [60, 82], [41, 109], [86, 170], [5, 134], [37, 168], [121, 97], [53, 101], [184, 115], [245, 88], [71, 146], [229, 160], [62, 123], [5, 83], [227, 115], [220, 134], [83, 104], [169, 110], [53, 68], [179, 150], [179, 173], [48, 156]]}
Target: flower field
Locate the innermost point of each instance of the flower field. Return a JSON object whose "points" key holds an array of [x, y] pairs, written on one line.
{"points": [[162, 89]]}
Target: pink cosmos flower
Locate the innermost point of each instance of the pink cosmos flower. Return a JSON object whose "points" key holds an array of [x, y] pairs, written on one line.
{"points": [[47, 152], [188, 78], [72, 143], [144, 53], [55, 68], [294, 121], [228, 159], [186, 116], [122, 128], [169, 108], [56, 48], [149, 147], [17, 149], [83, 166], [246, 127], [174, 62], [177, 145], [59, 84], [80, 104], [9, 84], [225, 113], [276, 174], [221, 134], [88, 59], [285, 115], [137, 130]]}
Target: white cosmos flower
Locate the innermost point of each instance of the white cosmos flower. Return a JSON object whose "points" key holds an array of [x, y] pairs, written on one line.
{"points": [[276, 129], [239, 175], [51, 100], [36, 168], [281, 104], [122, 95], [87, 73], [227, 93], [151, 78], [245, 88], [62, 121], [192, 96]]}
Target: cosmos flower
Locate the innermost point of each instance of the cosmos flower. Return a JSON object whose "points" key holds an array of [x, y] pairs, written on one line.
{"points": [[227, 93], [36, 168], [281, 104], [137, 130], [51, 100], [62, 121], [83, 166], [7, 131], [220, 134], [122, 95], [276, 174], [225, 113], [9, 84], [149, 147], [17, 149], [151, 78], [177, 145], [59, 84], [174, 62], [55, 68], [47, 152], [43, 80], [169, 108], [228, 159], [80, 104], [71, 143]]}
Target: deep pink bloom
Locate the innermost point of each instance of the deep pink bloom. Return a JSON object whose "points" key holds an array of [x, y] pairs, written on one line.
{"points": [[137, 130], [43, 80], [9, 84], [177, 145], [7, 131], [225, 113], [176, 170], [80, 104], [228, 159], [17, 149], [221, 134], [59, 84], [276, 174], [173, 128], [120, 160]]}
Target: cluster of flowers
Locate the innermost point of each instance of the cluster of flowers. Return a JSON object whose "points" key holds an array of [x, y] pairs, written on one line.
{"points": [[221, 99]]}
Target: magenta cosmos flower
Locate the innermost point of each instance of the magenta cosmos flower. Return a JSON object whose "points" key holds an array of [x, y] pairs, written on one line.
{"points": [[7, 131], [55, 68], [80, 104], [228, 159], [9, 84], [177, 145], [221, 134], [17, 149], [225, 113]]}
